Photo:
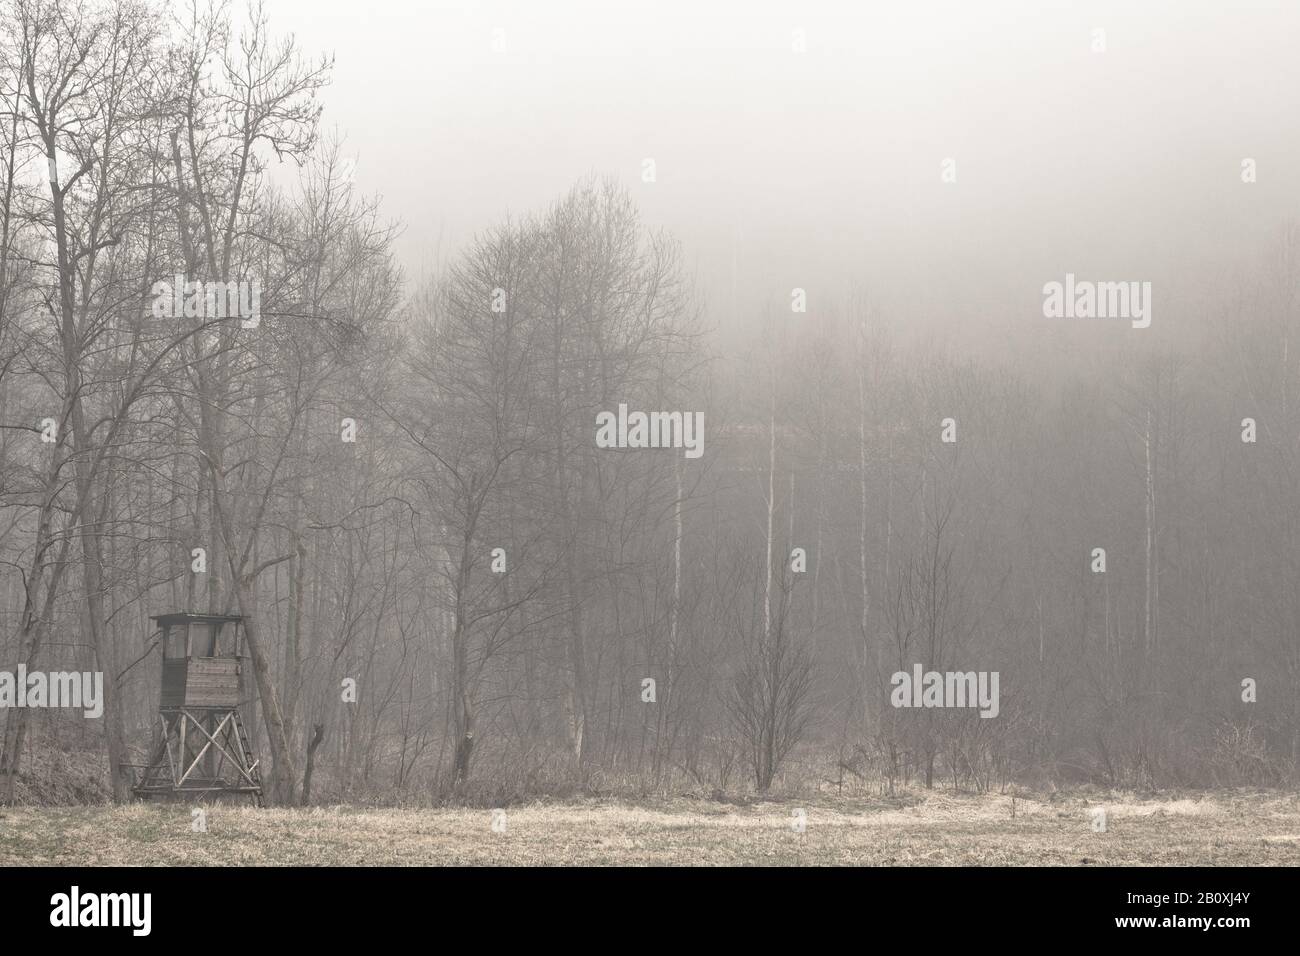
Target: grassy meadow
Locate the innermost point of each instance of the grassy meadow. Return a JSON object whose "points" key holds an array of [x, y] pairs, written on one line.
{"points": [[917, 829]]}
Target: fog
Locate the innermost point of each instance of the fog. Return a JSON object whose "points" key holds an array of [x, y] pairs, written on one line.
{"points": [[654, 397], [821, 170]]}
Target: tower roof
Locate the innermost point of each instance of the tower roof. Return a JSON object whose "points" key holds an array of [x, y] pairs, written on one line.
{"points": [[185, 617]]}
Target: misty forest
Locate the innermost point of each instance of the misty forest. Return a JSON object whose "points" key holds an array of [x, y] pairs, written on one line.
{"points": [[454, 591]]}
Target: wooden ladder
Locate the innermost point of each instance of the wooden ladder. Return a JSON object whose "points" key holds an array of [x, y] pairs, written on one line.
{"points": [[253, 773]]}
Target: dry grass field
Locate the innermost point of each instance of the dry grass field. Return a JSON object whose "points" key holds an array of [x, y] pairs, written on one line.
{"points": [[1239, 828]]}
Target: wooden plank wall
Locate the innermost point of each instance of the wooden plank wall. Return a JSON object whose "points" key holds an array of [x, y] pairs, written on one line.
{"points": [[201, 682], [212, 682]]}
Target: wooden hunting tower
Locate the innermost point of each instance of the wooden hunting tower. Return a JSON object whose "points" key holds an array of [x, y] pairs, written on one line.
{"points": [[204, 747]]}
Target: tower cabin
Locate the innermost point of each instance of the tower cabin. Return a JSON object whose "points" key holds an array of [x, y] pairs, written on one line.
{"points": [[201, 665]]}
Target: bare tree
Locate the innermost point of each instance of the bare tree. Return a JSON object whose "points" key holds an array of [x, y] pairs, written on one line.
{"points": [[771, 695]]}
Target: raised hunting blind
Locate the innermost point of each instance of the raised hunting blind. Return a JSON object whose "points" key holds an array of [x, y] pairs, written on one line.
{"points": [[204, 749]]}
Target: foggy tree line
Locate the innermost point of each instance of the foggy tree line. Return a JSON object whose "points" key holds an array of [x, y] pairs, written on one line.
{"points": [[452, 592]]}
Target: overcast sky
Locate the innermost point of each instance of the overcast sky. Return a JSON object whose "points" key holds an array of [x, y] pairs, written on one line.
{"points": [[821, 169]]}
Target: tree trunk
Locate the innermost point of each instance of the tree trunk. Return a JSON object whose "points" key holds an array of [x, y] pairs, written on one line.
{"points": [[318, 734]]}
